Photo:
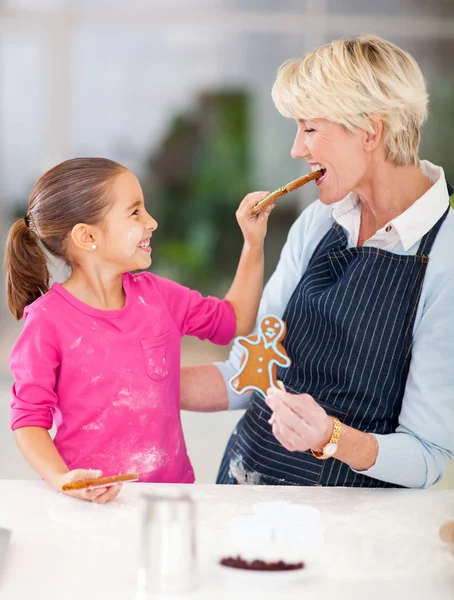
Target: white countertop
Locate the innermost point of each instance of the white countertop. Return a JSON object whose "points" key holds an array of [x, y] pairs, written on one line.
{"points": [[378, 543]]}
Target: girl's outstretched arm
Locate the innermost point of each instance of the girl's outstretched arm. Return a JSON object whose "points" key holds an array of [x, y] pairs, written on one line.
{"points": [[246, 290]]}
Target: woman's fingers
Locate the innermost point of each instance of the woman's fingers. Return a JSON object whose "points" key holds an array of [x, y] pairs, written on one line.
{"points": [[301, 404], [287, 416], [298, 419], [282, 439], [300, 440]]}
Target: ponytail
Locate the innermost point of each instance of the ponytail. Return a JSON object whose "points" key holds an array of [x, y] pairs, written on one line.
{"points": [[27, 275]]}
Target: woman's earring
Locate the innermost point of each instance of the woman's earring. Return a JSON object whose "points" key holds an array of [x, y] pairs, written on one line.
{"points": [[93, 246]]}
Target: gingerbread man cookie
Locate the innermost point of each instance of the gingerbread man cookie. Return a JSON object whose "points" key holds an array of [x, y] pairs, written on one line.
{"points": [[264, 353]]}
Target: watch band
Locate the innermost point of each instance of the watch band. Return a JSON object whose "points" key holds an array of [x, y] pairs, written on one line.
{"points": [[334, 440]]}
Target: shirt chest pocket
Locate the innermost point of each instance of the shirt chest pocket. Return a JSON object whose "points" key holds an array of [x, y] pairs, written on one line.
{"points": [[155, 352]]}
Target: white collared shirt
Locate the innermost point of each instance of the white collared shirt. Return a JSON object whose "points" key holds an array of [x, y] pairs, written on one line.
{"points": [[407, 228]]}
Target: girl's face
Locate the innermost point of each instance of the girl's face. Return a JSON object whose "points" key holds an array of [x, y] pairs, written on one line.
{"points": [[127, 227], [342, 153]]}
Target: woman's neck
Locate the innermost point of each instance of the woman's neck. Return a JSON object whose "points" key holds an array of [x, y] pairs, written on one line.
{"points": [[388, 192], [103, 292]]}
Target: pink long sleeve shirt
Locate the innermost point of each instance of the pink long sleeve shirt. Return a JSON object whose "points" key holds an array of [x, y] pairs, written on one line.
{"points": [[110, 379]]}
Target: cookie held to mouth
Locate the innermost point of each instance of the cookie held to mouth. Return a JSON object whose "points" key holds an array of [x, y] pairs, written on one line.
{"points": [[289, 187]]}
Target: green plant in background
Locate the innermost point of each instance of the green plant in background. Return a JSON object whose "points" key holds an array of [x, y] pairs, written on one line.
{"points": [[437, 145], [196, 180], [201, 171]]}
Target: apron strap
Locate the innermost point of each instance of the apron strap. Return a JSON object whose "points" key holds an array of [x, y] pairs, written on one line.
{"points": [[427, 241]]}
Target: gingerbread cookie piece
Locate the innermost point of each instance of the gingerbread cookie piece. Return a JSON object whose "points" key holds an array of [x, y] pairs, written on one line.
{"points": [[264, 352], [293, 185], [99, 482]]}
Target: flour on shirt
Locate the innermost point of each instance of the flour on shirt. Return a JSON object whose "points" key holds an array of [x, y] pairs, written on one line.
{"points": [[135, 400], [145, 461], [76, 343], [93, 426], [159, 367]]}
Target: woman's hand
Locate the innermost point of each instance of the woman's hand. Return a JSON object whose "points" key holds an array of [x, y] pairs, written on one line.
{"points": [[99, 496], [253, 228], [299, 423]]}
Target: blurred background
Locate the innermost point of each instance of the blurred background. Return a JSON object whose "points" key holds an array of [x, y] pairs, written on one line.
{"points": [[179, 92]]}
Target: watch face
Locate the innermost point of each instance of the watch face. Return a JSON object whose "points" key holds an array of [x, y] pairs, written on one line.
{"points": [[330, 449]]}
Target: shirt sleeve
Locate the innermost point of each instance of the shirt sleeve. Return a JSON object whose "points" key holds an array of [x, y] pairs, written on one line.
{"points": [[417, 454], [34, 363], [203, 317]]}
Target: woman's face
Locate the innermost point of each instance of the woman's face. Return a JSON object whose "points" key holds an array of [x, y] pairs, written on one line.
{"points": [[343, 155]]}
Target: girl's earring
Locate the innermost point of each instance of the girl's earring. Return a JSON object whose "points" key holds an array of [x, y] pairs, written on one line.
{"points": [[93, 246]]}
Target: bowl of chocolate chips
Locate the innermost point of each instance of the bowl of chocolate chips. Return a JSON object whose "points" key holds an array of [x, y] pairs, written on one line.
{"points": [[274, 562]]}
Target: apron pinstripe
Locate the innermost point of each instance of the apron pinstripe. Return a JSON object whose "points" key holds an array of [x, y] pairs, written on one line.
{"points": [[349, 323]]}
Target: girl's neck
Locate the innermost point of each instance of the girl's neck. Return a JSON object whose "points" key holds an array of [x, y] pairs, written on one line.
{"points": [[103, 292]]}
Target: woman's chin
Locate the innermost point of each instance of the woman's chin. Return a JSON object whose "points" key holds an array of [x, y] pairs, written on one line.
{"points": [[329, 195], [328, 199]]}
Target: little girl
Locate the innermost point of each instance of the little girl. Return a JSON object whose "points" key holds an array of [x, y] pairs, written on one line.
{"points": [[99, 355]]}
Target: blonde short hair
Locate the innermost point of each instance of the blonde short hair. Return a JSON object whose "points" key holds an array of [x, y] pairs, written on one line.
{"points": [[349, 81]]}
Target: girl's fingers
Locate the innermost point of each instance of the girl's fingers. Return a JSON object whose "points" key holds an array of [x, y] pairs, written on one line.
{"points": [[93, 494], [265, 213], [250, 201], [116, 493], [253, 197], [108, 495]]}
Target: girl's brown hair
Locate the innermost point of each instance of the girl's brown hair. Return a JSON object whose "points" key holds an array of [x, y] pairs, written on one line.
{"points": [[75, 191]]}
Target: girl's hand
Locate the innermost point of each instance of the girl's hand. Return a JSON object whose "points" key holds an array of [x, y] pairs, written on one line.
{"points": [[99, 496], [299, 423], [253, 228]]}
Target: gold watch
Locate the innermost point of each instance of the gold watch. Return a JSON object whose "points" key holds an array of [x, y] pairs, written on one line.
{"points": [[330, 448]]}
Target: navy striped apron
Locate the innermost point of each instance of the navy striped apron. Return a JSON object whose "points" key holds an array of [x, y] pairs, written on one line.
{"points": [[349, 330]]}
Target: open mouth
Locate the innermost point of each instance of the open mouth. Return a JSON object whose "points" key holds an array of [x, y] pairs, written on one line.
{"points": [[144, 245], [319, 167]]}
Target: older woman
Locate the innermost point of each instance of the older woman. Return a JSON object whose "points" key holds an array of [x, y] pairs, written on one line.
{"points": [[365, 285]]}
